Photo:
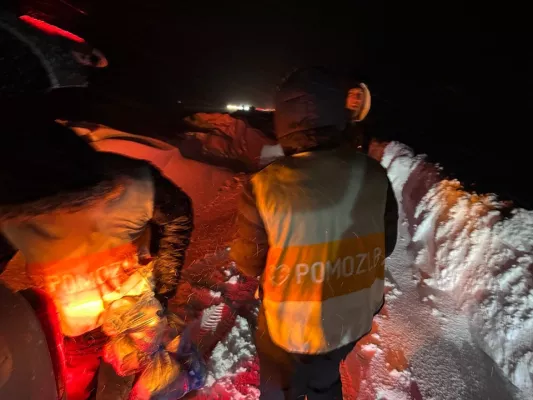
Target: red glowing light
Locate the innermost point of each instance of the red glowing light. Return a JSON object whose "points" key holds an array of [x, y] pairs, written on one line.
{"points": [[50, 29]]}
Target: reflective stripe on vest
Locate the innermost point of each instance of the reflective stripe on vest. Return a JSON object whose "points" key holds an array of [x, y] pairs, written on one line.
{"points": [[325, 270]]}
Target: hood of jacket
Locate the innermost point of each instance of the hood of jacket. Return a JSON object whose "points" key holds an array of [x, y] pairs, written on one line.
{"points": [[309, 110]]}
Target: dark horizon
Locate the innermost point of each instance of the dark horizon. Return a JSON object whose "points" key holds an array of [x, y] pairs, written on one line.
{"points": [[443, 84], [161, 51]]}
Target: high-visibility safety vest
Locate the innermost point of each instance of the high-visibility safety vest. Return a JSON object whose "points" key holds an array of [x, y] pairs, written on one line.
{"points": [[89, 258], [324, 278]]}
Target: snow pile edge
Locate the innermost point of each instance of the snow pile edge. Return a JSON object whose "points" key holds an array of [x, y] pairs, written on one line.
{"points": [[477, 249]]}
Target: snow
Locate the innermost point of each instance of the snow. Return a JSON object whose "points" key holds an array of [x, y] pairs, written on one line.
{"points": [[473, 260], [470, 249], [230, 358], [458, 319], [233, 280], [215, 295]]}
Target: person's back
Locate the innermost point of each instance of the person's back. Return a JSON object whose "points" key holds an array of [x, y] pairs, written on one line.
{"points": [[78, 256], [325, 266], [317, 226]]}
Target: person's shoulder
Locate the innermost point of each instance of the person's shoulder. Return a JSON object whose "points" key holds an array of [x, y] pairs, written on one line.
{"points": [[376, 170], [271, 173], [120, 165], [374, 165], [358, 158], [273, 166]]}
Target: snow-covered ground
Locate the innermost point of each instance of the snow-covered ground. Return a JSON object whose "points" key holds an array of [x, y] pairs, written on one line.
{"points": [[473, 263], [458, 321]]}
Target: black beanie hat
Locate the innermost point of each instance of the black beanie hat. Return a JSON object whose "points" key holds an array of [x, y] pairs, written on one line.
{"points": [[32, 61], [43, 165], [307, 99], [40, 159]]}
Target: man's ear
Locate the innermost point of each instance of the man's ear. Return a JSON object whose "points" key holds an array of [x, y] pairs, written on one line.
{"points": [[366, 103]]}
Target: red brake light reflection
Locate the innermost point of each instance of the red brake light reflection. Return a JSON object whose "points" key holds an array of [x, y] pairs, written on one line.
{"points": [[50, 29]]}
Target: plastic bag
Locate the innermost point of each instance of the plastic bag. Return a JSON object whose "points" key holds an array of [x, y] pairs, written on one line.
{"points": [[131, 314], [155, 383], [122, 354], [137, 330], [172, 344], [144, 339], [192, 361], [160, 374], [149, 339], [175, 322]]}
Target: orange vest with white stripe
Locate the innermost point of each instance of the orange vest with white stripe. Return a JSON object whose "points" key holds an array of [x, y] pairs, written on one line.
{"points": [[324, 278], [87, 259]]}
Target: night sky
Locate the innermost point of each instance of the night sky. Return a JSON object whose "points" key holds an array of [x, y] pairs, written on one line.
{"points": [[457, 83], [234, 55], [167, 50]]}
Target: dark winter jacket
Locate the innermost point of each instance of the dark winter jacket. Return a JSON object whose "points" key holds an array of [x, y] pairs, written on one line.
{"points": [[34, 62], [172, 224]]}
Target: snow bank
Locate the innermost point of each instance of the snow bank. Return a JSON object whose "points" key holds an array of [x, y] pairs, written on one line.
{"points": [[478, 250], [232, 368]]}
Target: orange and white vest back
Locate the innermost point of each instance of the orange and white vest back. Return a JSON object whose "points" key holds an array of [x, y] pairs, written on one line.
{"points": [[324, 278]]}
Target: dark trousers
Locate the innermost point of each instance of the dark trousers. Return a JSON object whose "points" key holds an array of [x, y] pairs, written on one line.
{"points": [[288, 376]]}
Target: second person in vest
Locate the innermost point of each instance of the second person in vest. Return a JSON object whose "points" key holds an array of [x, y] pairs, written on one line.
{"points": [[316, 227]]}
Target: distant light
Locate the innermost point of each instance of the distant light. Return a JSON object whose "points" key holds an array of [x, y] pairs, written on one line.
{"points": [[50, 29], [247, 107], [234, 107]]}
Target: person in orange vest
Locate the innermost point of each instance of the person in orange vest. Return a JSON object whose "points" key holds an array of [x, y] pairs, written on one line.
{"points": [[316, 226], [94, 228]]}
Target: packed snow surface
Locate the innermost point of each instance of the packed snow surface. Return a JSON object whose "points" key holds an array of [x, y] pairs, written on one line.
{"points": [[478, 252]]}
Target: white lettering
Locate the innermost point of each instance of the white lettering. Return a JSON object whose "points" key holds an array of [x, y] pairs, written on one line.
{"points": [[347, 261], [377, 257], [84, 282], [69, 283], [114, 269], [333, 269], [361, 257], [114, 275], [51, 283], [280, 274], [300, 268], [325, 270], [111, 276], [101, 275], [320, 266]]}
